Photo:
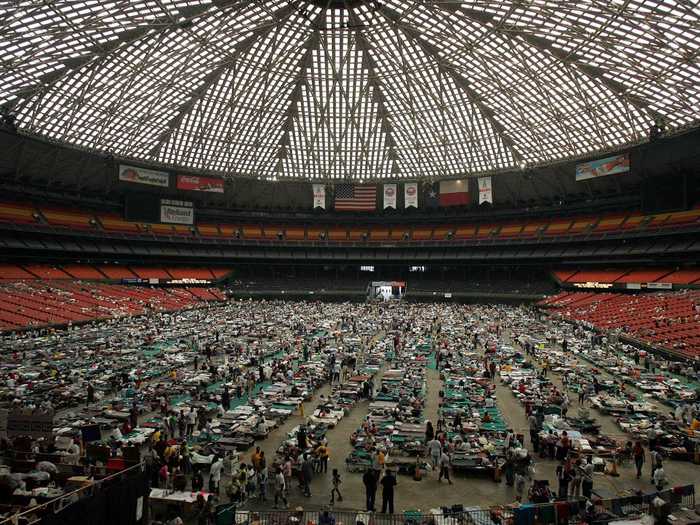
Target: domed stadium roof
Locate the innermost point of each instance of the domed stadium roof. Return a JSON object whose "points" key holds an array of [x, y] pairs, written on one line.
{"points": [[360, 89]]}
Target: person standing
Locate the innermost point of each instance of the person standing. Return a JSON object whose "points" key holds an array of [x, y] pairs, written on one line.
{"points": [[215, 474], [445, 466], [429, 431], [434, 449], [369, 479], [638, 455], [587, 480], [307, 472], [280, 485], [388, 484], [90, 394]]}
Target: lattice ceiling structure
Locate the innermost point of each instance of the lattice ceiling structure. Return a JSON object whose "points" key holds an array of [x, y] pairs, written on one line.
{"points": [[355, 89]]}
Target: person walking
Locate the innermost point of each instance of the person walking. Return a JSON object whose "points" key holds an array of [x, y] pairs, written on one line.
{"points": [[638, 455], [369, 479], [445, 466], [336, 486], [388, 484]]}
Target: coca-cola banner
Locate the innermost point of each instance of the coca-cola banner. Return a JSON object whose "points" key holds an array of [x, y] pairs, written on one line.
{"points": [[194, 183]]}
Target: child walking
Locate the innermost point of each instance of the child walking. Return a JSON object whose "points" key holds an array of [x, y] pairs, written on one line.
{"points": [[336, 486]]}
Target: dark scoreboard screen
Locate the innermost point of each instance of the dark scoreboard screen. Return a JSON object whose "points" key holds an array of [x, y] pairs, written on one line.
{"points": [[142, 207]]}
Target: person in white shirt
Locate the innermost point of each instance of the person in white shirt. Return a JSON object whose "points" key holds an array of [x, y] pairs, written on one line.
{"points": [[659, 478], [445, 467], [217, 466], [434, 448]]}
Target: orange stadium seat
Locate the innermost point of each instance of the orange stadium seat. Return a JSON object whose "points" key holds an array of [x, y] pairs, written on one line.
{"points": [[69, 219], [252, 232], [19, 213], [113, 222], [145, 272], [117, 272], [422, 233], [337, 234], [295, 233], [44, 271], [11, 272], [83, 271], [379, 234], [208, 230]]}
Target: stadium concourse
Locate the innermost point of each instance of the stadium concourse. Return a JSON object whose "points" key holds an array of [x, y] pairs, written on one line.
{"points": [[512, 396]]}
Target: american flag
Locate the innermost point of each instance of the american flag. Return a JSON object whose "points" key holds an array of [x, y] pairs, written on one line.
{"points": [[353, 197]]}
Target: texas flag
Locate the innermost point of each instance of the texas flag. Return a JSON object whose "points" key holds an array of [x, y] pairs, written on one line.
{"points": [[454, 192]]}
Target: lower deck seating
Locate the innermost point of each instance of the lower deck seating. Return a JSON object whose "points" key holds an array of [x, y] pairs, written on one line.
{"points": [[629, 275], [26, 304], [669, 320]]}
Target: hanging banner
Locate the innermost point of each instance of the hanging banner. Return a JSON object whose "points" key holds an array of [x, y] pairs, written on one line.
{"points": [[601, 167], [319, 196], [410, 195], [143, 176], [389, 196], [176, 212], [192, 183], [485, 192]]}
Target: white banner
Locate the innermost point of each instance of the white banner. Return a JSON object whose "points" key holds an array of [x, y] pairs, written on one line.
{"points": [[485, 193], [176, 212], [410, 195], [144, 176], [389, 196], [319, 196], [660, 286]]}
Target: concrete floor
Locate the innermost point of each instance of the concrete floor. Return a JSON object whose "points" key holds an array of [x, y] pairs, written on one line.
{"points": [[429, 493]]}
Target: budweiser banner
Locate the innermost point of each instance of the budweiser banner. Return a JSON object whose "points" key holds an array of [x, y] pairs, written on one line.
{"points": [[389, 196], [176, 212], [599, 168], [192, 183], [319, 196], [410, 195], [485, 192], [143, 176]]}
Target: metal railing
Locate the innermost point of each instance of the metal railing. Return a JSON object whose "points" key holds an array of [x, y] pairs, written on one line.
{"points": [[34, 514], [568, 514]]}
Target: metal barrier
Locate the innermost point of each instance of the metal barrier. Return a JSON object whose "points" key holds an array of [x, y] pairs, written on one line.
{"points": [[56, 505], [561, 513]]}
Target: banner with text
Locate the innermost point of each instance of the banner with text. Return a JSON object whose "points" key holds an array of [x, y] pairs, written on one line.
{"points": [[389, 196], [176, 212], [601, 167], [192, 183], [143, 176], [319, 196], [410, 195], [485, 191]]}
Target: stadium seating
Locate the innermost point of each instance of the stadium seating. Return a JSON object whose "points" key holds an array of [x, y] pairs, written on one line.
{"points": [[25, 304], [629, 275], [602, 225], [669, 320]]}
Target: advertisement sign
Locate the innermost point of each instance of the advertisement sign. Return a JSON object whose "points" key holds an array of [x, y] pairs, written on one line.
{"points": [[143, 176], [389, 196], [410, 195], [319, 196], [176, 212], [660, 286], [193, 183], [601, 167]]}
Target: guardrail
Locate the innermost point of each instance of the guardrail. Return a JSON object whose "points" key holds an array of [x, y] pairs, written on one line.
{"points": [[56, 505], [568, 512]]}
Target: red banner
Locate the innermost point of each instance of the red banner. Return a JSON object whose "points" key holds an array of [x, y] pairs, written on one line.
{"points": [[194, 183]]}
